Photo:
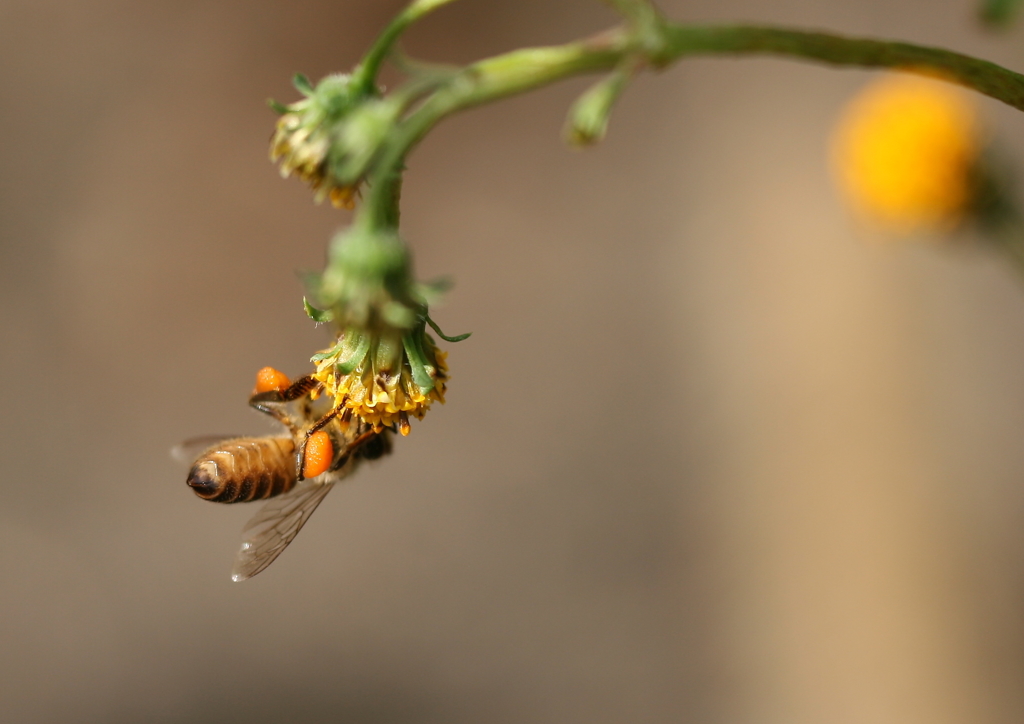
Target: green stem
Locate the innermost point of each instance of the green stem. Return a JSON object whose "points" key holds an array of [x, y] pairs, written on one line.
{"points": [[366, 73], [390, 213], [980, 75], [488, 80], [522, 70]]}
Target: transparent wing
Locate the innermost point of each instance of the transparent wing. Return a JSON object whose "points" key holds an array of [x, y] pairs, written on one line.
{"points": [[186, 452], [278, 522]]}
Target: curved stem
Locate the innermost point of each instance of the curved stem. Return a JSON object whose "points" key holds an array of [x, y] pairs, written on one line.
{"points": [[489, 80], [522, 70], [389, 214], [980, 75], [366, 73]]}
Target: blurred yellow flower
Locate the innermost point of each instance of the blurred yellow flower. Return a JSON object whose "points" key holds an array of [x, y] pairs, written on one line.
{"points": [[905, 154], [303, 150]]}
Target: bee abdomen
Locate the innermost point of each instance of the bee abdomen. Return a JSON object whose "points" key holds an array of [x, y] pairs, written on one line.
{"points": [[236, 471]]}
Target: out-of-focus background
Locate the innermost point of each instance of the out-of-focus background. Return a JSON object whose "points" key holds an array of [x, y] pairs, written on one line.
{"points": [[711, 455]]}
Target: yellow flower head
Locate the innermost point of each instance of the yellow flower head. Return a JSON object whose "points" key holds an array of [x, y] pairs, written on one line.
{"points": [[906, 151], [383, 366], [303, 152], [384, 377]]}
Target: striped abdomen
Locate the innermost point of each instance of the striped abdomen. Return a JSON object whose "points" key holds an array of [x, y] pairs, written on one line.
{"points": [[248, 468]]}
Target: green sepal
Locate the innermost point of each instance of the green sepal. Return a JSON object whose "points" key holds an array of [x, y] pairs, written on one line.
{"points": [[387, 352], [321, 356], [318, 315], [353, 349], [417, 362], [442, 335], [302, 84], [278, 107]]}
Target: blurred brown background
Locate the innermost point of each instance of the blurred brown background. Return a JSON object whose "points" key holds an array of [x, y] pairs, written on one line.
{"points": [[710, 455]]}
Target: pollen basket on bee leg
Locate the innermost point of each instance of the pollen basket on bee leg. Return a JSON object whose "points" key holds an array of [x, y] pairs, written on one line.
{"points": [[268, 379], [318, 455]]}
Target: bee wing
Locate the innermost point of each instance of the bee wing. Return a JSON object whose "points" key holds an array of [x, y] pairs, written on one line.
{"points": [[278, 522]]}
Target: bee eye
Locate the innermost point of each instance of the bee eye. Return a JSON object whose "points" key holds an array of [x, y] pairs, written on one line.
{"points": [[318, 456], [268, 379]]}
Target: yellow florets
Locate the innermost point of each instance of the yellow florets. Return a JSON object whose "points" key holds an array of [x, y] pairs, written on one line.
{"points": [[905, 153], [302, 150], [374, 376]]}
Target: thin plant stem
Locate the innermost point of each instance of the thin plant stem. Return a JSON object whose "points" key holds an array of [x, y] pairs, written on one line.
{"points": [[366, 73], [522, 70], [980, 75]]}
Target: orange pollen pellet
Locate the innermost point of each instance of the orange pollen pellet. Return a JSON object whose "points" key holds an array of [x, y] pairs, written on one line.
{"points": [[319, 454], [268, 379]]}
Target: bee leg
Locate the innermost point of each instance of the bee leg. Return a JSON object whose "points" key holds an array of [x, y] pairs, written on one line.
{"points": [[364, 437], [294, 391], [268, 402], [370, 445], [319, 424]]}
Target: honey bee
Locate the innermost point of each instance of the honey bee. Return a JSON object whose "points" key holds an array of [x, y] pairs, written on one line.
{"points": [[324, 444]]}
